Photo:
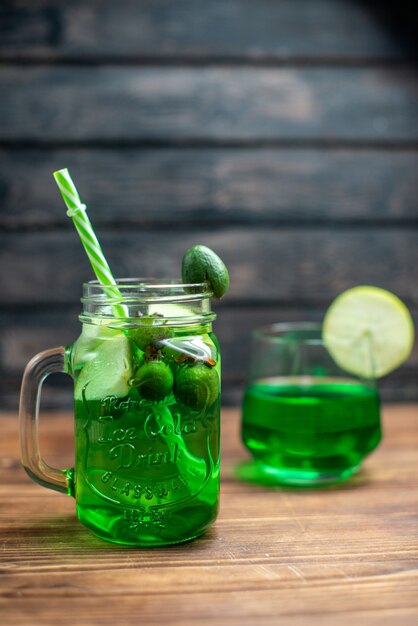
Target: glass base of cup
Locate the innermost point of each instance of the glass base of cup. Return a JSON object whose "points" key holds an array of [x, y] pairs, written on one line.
{"points": [[148, 542], [115, 529], [257, 472]]}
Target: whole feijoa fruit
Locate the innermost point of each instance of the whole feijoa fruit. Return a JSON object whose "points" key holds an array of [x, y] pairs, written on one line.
{"points": [[196, 386], [154, 380], [202, 265]]}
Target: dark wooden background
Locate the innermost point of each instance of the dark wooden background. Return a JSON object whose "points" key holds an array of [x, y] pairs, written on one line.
{"points": [[284, 134]]}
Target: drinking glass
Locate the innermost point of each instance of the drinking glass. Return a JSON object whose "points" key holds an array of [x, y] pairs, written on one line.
{"points": [[146, 408], [305, 420]]}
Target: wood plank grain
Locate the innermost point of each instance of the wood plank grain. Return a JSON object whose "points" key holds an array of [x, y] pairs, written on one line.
{"points": [[209, 187], [317, 557], [304, 265], [50, 29], [260, 607], [207, 104]]}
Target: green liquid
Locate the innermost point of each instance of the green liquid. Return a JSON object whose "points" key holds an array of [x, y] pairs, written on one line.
{"points": [[147, 471], [305, 431]]}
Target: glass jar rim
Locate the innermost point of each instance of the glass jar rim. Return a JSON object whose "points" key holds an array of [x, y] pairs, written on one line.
{"points": [[277, 333], [146, 290], [133, 299]]}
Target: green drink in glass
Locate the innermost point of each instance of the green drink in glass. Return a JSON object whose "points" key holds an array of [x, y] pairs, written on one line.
{"points": [[147, 419], [309, 429], [311, 410], [146, 371], [306, 421], [147, 412]]}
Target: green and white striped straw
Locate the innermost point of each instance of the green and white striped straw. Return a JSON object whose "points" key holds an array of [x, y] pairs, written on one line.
{"points": [[77, 211]]}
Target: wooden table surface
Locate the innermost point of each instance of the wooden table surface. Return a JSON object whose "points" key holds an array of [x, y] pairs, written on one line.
{"points": [[274, 556]]}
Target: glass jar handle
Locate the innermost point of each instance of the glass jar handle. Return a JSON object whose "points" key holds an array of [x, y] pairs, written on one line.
{"points": [[36, 371]]}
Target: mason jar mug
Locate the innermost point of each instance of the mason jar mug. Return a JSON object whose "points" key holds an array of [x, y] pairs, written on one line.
{"points": [[146, 371]]}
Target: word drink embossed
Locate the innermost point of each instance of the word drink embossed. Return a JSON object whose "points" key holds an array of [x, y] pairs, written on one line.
{"points": [[149, 445]]}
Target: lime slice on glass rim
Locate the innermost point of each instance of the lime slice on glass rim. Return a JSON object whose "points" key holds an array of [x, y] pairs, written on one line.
{"points": [[368, 331]]}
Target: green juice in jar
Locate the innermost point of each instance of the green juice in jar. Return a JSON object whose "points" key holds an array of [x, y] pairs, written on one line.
{"points": [[147, 404], [146, 372]]}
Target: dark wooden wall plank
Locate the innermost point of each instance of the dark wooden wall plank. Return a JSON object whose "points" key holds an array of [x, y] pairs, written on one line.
{"points": [[207, 104], [282, 134], [267, 265], [22, 335], [193, 29], [211, 187]]}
